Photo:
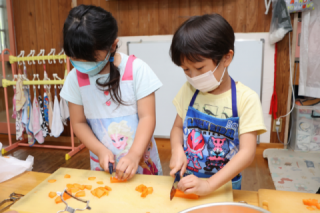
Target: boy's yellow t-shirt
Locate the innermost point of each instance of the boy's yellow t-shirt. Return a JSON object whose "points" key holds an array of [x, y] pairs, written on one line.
{"points": [[220, 106]]}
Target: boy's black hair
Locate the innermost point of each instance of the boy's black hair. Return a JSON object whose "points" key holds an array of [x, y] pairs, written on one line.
{"points": [[87, 29], [206, 36]]}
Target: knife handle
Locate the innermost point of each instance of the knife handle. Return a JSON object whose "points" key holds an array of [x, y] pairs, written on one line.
{"points": [[110, 168]]}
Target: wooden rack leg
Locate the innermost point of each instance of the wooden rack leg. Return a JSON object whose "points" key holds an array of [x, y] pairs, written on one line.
{"points": [[74, 150]]}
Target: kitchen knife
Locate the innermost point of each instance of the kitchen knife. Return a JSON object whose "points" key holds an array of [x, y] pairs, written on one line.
{"points": [[175, 185]]}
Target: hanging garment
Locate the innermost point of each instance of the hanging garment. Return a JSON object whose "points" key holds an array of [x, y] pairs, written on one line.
{"points": [[14, 113], [309, 79], [210, 142], [50, 108], [19, 126], [25, 112], [29, 128], [43, 123], [57, 126], [64, 110], [20, 99], [46, 107], [36, 120]]}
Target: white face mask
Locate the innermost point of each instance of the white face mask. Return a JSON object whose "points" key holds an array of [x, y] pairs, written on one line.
{"points": [[206, 82]]}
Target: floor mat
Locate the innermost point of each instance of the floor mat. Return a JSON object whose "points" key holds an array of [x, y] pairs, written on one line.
{"points": [[294, 171]]}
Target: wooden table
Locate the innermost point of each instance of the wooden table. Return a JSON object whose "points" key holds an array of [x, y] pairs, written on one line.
{"points": [[23, 183]]}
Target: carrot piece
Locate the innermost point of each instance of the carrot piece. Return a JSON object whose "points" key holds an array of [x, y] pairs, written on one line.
{"points": [[80, 194], [318, 205], [150, 190], [141, 188], [52, 181], [67, 176], [144, 193], [105, 190], [74, 190], [58, 200], [116, 180], [100, 182], [69, 186], [66, 196], [93, 192], [108, 188], [314, 202], [310, 208], [91, 178], [100, 193], [183, 195], [77, 185], [82, 187], [52, 194], [88, 187]]}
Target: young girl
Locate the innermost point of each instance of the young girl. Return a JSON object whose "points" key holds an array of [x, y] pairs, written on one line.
{"points": [[214, 134], [111, 95]]}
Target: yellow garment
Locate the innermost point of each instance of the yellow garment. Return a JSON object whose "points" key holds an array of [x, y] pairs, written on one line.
{"points": [[219, 106], [20, 98]]}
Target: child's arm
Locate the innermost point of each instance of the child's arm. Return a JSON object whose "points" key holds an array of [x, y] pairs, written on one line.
{"points": [[86, 136], [245, 156], [128, 164], [178, 157]]}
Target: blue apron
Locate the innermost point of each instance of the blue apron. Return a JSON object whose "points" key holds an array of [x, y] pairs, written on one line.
{"points": [[210, 142]]}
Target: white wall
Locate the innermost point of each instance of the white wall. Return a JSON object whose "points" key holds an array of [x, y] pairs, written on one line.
{"points": [[268, 68]]}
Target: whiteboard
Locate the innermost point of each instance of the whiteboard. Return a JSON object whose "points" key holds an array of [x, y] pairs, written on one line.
{"points": [[245, 67]]}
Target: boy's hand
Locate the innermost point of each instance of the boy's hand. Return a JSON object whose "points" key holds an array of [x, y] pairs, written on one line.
{"points": [[105, 157], [194, 185], [178, 161], [127, 166]]}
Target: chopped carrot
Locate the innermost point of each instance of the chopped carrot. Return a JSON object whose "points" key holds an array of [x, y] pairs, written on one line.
{"points": [[141, 188], [80, 194], [91, 178], [310, 208], [108, 188], [66, 196], [105, 190], [82, 187], [58, 200], [318, 205], [116, 180], [93, 192], [183, 195], [74, 190], [69, 186], [306, 202], [88, 187], [52, 194], [100, 182], [67, 176], [314, 202], [150, 190], [77, 185], [100, 193], [144, 193], [52, 181]]}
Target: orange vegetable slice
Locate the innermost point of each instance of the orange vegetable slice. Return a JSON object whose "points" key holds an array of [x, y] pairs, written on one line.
{"points": [[80, 194], [314, 202], [66, 196], [141, 188], [105, 190], [74, 190], [52, 194], [144, 193], [67, 176], [108, 188], [88, 187], [150, 190], [93, 192], [69, 186], [183, 195], [77, 185], [58, 200], [318, 205], [52, 181], [91, 178], [100, 193], [116, 180], [82, 187], [310, 208], [100, 182]]}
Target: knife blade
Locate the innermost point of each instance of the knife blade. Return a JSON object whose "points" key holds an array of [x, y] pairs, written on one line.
{"points": [[175, 185]]}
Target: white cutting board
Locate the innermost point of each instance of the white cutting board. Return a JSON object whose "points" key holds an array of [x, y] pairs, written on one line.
{"points": [[122, 198]]}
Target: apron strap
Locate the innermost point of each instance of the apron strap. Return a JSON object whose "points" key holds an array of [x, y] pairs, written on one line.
{"points": [[194, 98], [234, 98]]}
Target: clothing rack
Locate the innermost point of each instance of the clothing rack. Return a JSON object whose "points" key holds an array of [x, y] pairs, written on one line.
{"points": [[5, 83]]}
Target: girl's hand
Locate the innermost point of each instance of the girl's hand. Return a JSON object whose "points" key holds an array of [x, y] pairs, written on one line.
{"points": [[127, 166], [178, 161], [194, 185], [105, 157]]}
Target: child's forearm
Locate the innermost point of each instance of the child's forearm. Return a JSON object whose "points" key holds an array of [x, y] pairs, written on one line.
{"points": [[237, 164], [86, 136], [176, 137], [143, 135]]}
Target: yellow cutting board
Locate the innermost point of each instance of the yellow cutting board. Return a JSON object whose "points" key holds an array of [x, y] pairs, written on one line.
{"points": [[285, 201], [122, 198]]}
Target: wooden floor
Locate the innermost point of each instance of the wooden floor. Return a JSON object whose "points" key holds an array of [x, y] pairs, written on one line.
{"points": [[256, 176]]}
